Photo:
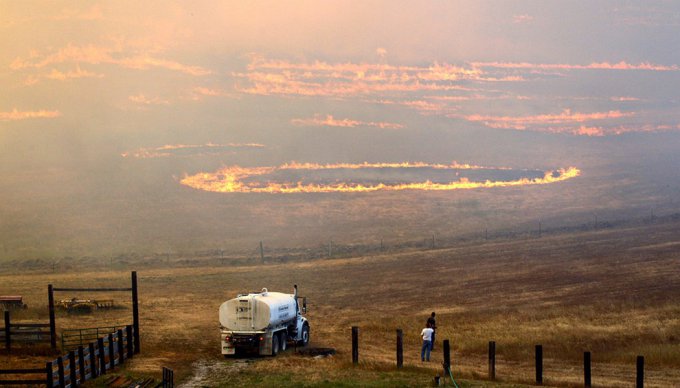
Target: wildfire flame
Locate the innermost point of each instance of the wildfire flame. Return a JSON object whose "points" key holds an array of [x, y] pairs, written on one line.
{"points": [[231, 179], [168, 149]]}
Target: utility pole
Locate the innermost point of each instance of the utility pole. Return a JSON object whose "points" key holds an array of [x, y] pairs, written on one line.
{"points": [[261, 252]]}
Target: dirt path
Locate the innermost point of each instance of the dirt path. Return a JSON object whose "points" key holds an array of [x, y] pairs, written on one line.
{"points": [[208, 373]]}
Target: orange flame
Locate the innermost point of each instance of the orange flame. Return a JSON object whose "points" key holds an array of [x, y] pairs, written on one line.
{"points": [[622, 65], [166, 150], [230, 179], [22, 115], [355, 166], [330, 121]]}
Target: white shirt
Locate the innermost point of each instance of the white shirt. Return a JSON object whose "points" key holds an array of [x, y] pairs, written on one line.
{"points": [[427, 334]]}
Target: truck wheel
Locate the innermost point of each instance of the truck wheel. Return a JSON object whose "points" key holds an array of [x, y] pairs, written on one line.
{"points": [[305, 335], [275, 344], [284, 341]]}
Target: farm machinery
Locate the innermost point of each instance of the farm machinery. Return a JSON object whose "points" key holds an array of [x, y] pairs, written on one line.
{"points": [[11, 302], [84, 305]]}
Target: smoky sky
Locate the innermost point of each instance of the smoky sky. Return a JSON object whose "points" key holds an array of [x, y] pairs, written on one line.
{"points": [[175, 72]]}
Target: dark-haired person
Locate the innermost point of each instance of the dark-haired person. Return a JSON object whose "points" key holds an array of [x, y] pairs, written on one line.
{"points": [[432, 324]]}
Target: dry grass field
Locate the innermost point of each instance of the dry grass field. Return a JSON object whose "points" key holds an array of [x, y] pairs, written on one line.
{"points": [[138, 207], [611, 291]]}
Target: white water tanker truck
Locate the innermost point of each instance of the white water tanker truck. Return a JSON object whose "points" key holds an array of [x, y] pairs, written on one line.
{"points": [[264, 322]]}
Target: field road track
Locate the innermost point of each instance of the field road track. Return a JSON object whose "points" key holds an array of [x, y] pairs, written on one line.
{"points": [[212, 372]]}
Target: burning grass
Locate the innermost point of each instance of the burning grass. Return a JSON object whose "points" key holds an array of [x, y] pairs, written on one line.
{"points": [[254, 180]]}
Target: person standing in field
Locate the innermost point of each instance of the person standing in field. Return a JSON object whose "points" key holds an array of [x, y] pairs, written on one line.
{"points": [[426, 333], [432, 324]]}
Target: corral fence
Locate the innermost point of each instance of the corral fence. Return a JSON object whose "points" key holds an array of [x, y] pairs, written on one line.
{"points": [[538, 359], [168, 378], [79, 365], [35, 376], [23, 332], [83, 362], [72, 338], [46, 332], [135, 306]]}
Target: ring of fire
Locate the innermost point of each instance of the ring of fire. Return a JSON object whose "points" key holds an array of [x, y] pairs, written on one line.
{"points": [[233, 179]]}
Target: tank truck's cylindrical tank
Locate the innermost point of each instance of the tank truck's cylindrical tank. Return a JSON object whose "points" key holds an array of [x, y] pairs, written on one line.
{"points": [[257, 311]]}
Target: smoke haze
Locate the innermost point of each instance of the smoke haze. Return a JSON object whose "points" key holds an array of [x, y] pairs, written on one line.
{"points": [[107, 107]]}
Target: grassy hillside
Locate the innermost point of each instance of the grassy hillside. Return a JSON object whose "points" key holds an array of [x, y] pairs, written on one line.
{"points": [[612, 291]]}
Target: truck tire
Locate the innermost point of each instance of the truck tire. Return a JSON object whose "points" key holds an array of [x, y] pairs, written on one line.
{"points": [[275, 344], [305, 335], [284, 341]]}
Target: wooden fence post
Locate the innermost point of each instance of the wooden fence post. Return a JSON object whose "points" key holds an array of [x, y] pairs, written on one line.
{"points": [[102, 356], [400, 348], [93, 360], [355, 344], [128, 340], [135, 311], [60, 365], [121, 349], [168, 378], [447, 357], [81, 363], [112, 349], [492, 360], [53, 324], [8, 332], [539, 365], [587, 383], [49, 377], [640, 378], [73, 377]]}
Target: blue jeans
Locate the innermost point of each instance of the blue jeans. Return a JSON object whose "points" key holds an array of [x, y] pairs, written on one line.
{"points": [[425, 351]]}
